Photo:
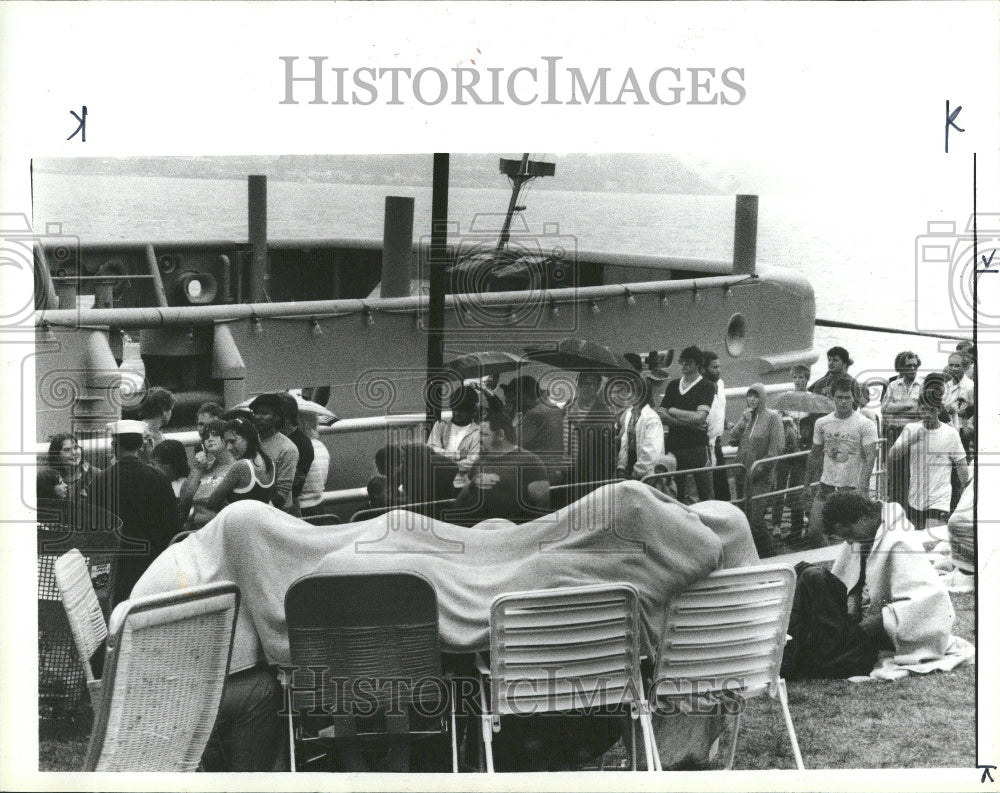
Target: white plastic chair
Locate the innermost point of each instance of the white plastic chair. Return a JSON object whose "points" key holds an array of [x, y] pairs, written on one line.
{"points": [[83, 611], [554, 650], [164, 672], [724, 636]]}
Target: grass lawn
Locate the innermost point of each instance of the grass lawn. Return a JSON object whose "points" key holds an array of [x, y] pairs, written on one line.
{"points": [[922, 721]]}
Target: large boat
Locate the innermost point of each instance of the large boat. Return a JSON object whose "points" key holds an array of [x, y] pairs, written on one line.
{"points": [[224, 320]]}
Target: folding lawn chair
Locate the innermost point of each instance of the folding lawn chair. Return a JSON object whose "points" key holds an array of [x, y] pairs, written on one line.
{"points": [[352, 631], [723, 637], [164, 672], [83, 611], [557, 650]]}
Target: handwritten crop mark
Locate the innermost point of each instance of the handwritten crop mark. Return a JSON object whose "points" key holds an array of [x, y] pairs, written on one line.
{"points": [[81, 128], [950, 121]]}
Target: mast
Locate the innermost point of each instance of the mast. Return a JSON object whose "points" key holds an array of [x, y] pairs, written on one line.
{"points": [[520, 172]]}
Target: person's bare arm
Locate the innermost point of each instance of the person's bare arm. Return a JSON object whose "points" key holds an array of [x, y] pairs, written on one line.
{"points": [[237, 476], [186, 497], [867, 465], [814, 466], [689, 418]]}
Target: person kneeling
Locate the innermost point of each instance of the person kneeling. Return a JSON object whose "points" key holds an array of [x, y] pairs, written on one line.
{"points": [[881, 594]]}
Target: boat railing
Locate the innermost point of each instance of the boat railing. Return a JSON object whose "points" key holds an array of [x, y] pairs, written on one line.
{"points": [[763, 491], [661, 480]]}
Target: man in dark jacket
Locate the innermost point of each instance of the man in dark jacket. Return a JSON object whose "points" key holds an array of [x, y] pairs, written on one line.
{"points": [[142, 498]]}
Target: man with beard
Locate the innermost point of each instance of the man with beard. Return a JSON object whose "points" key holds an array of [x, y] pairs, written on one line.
{"points": [[716, 423]]}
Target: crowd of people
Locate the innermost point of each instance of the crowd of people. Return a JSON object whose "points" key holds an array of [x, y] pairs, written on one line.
{"points": [[506, 449], [269, 451]]}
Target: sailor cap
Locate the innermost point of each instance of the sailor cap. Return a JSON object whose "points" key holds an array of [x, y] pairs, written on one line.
{"points": [[127, 427]]}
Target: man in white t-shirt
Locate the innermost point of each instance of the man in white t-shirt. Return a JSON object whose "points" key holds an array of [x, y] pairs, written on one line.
{"points": [[844, 445], [933, 448]]}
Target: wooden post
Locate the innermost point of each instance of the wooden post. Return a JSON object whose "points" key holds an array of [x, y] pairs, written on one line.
{"points": [[397, 246], [745, 236], [438, 259], [257, 220]]}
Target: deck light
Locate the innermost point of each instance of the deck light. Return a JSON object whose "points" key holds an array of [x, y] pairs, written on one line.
{"points": [[316, 329], [594, 307], [629, 298], [555, 308], [663, 300], [369, 318], [258, 328]]}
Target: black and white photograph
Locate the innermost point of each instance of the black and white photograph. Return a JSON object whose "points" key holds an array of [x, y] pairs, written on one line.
{"points": [[367, 445]]}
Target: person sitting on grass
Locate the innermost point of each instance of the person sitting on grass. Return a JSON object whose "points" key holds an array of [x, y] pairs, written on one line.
{"points": [[881, 594]]}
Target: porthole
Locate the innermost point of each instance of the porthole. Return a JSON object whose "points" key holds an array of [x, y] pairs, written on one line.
{"points": [[736, 334]]}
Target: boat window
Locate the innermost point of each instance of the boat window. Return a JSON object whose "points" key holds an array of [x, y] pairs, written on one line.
{"points": [[736, 334]]}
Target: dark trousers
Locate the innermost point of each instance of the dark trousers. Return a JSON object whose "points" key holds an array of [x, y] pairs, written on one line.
{"points": [[687, 459], [826, 642], [789, 473], [720, 479], [248, 733]]}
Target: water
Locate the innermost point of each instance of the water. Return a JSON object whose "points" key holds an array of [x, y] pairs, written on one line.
{"points": [[857, 253]]}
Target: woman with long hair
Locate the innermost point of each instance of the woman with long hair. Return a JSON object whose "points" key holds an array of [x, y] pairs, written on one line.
{"points": [[211, 464], [50, 485], [252, 475], [66, 457], [170, 458]]}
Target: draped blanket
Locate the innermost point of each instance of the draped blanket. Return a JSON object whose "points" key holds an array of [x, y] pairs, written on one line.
{"points": [[626, 532], [916, 607]]}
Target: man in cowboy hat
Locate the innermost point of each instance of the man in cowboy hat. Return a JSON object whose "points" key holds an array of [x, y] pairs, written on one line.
{"points": [[838, 361], [142, 498]]}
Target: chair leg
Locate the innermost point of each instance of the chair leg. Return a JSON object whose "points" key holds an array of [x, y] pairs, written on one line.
{"points": [[783, 698], [652, 753], [646, 724], [454, 729], [291, 729], [632, 748], [487, 721], [736, 737]]}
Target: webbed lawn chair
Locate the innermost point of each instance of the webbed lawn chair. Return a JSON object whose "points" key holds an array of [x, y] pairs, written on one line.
{"points": [[351, 631], [723, 638], [567, 649], [164, 672], [86, 620]]}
